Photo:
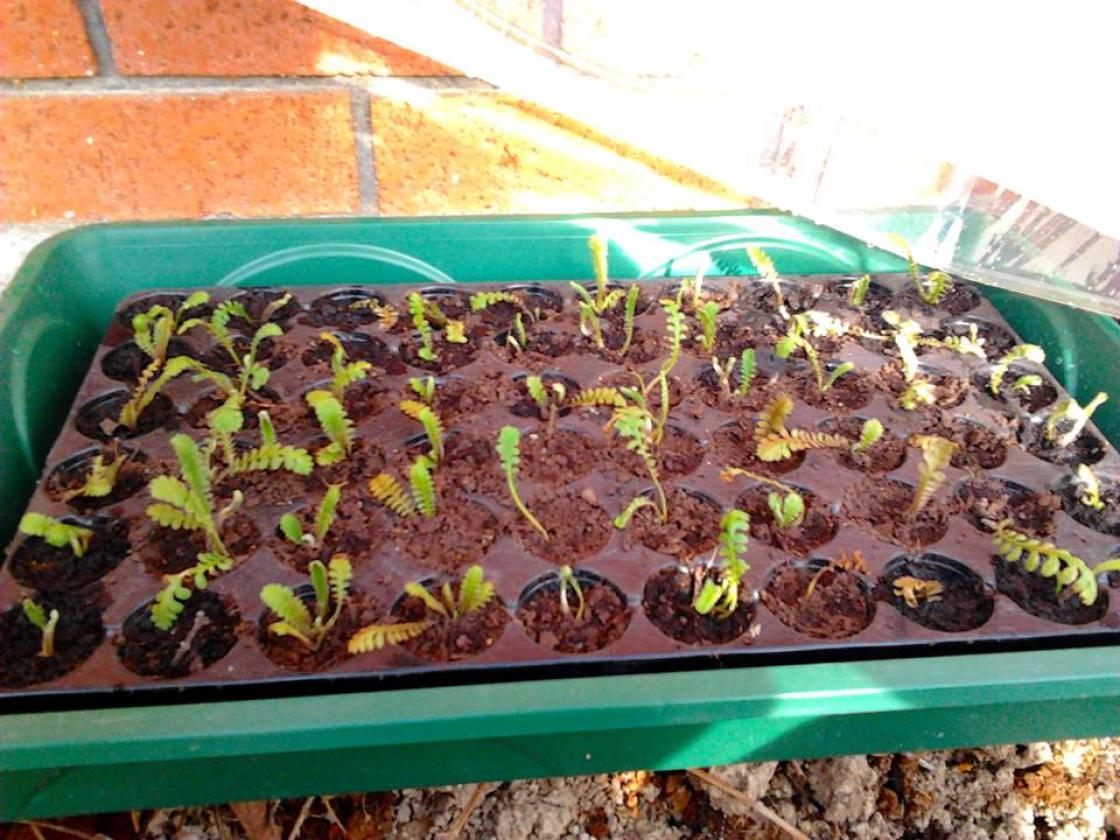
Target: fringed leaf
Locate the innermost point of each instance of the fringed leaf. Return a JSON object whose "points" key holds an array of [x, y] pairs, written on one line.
{"points": [[378, 636], [388, 491]]}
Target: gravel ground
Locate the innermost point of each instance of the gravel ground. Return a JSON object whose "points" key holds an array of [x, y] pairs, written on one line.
{"points": [[1061, 791]]}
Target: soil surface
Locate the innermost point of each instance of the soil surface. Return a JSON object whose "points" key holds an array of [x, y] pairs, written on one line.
{"points": [[964, 603]]}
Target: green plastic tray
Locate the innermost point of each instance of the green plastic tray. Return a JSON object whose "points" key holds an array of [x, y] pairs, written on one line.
{"points": [[52, 764]]}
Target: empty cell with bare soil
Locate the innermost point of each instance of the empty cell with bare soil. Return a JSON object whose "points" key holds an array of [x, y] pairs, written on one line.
{"points": [[445, 355], [814, 527], [460, 533], [344, 309], [689, 529], [938, 592], [205, 631], [470, 465], [577, 527], [668, 601], [554, 614], [561, 457], [537, 348], [884, 506], [985, 501], [819, 598]]}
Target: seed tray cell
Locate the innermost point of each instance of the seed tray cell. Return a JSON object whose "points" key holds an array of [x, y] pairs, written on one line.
{"points": [[798, 603]]}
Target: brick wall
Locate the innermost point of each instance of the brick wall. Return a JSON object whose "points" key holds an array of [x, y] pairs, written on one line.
{"points": [[135, 109]]}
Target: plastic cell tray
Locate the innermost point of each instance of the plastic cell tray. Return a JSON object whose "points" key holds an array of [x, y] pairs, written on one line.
{"points": [[51, 321]]}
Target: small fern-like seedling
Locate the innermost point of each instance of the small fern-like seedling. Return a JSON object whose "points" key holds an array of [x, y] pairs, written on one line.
{"points": [[388, 491], [937, 452], [724, 371], [622, 521], [100, 479], [707, 314], [603, 397], [628, 319], [677, 331], [419, 311], [914, 590], [918, 392], [484, 300], [292, 529], [1024, 383], [509, 453], [270, 455], [796, 339], [931, 289], [589, 322], [252, 375], [426, 416], [765, 268], [152, 380], [721, 598], [635, 426], [970, 344], [331, 587], [46, 624], [387, 317], [775, 442], [1050, 561], [600, 261], [869, 435], [1090, 494], [748, 364], [858, 291], [788, 509], [171, 599], [56, 533], [335, 424], [548, 399], [424, 389], [1073, 417], [343, 373], [475, 592]]}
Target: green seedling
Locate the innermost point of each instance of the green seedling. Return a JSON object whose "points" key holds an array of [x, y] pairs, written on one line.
{"points": [[426, 416], [765, 268], [424, 388], [1073, 417], [331, 587], [869, 435], [635, 426], [484, 300], [509, 453], [788, 509], [919, 392], [292, 529], [720, 597], [677, 331], [252, 375], [100, 479], [388, 491], [858, 292], [795, 339], [475, 592], [937, 453], [1024, 383], [707, 314], [1090, 494], [268, 456], [628, 319], [56, 533], [47, 624], [171, 599], [549, 399], [568, 580], [335, 424], [418, 309], [934, 286], [154, 377], [967, 345], [775, 442], [387, 316], [907, 336], [343, 373], [1048, 560]]}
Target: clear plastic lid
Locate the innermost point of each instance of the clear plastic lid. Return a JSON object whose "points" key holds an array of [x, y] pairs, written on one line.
{"points": [[983, 139]]}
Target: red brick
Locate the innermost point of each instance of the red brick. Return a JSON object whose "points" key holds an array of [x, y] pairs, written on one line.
{"points": [[41, 38], [487, 153], [248, 38], [125, 156]]}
